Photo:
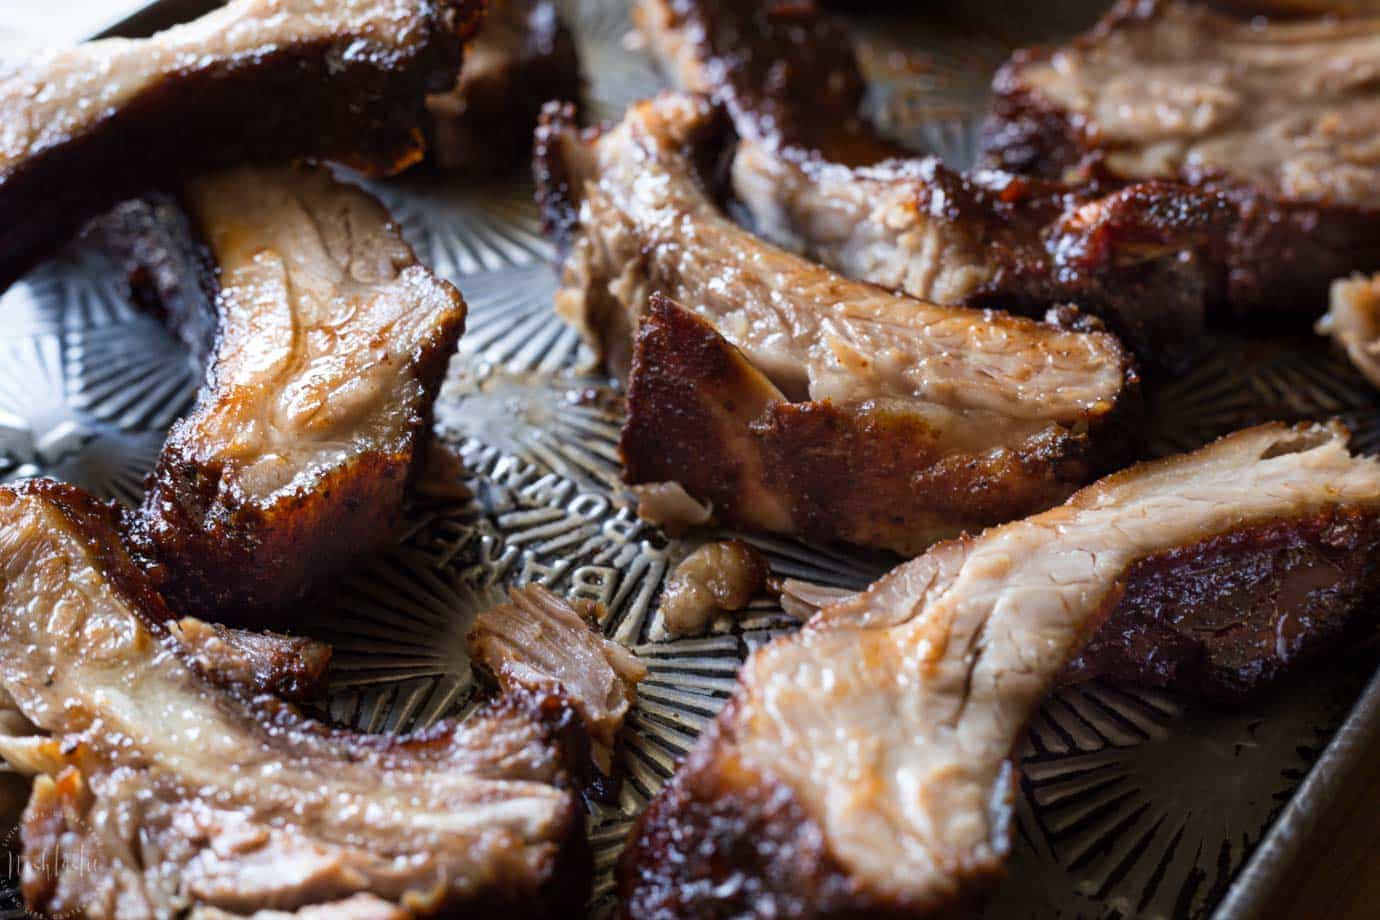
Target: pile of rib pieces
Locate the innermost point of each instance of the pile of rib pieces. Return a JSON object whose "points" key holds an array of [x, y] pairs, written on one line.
{"points": [[880, 351]]}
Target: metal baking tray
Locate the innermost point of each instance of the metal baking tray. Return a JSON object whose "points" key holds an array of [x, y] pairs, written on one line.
{"points": [[1133, 803]]}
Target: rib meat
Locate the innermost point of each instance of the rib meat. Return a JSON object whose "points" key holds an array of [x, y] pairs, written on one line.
{"points": [[290, 667], [330, 342], [183, 798], [522, 57], [257, 80], [815, 178], [1279, 118], [540, 641], [864, 764], [982, 416], [1353, 322]]}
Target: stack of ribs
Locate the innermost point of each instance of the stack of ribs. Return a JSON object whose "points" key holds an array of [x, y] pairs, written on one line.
{"points": [[1172, 162], [183, 796], [172, 753]]}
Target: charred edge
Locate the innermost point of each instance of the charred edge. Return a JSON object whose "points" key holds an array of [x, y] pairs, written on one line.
{"points": [[1024, 133], [500, 111], [307, 100], [683, 374], [557, 202], [222, 561], [787, 72], [168, 269], [860, 474], [1228, 617], [724, 840]]}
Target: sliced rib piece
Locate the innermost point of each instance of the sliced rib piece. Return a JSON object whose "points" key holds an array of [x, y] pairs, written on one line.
{"points": [[258, 80], [1353, 322], [865, 763], [540, 641], [331, 343], [1278, 117], [183, 797], [1143, 258], [522, 57], [889, 471]]}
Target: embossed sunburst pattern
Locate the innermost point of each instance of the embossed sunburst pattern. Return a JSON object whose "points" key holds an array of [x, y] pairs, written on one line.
{"points": [[1133, 803]]}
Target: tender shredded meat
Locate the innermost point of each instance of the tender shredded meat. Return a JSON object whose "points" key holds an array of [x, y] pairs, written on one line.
{"points": [[256, 80], [522, 57], [982, 387], [331, 341], [863, 765], [182, 797], [1353, 322], [540, 641], [719, 577], [1279, 117]]}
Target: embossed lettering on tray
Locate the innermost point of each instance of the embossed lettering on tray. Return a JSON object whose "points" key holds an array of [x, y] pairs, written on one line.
{"points": [[1133, 803]]}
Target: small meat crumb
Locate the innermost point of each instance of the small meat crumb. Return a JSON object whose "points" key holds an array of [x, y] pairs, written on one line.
{"points": [[719, 577]]}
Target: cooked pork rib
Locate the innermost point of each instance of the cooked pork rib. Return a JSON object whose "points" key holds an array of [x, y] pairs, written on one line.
{"points": [[331, 343], [840, 366], [1143, 257], [258, 80], [182, 797], [1279, 118], [864, 763], [875, 472], [522, 57], [1353, 322], [540, 641]]}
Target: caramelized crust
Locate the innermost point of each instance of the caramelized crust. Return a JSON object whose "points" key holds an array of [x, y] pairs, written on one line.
{"points": [[183, 798], [1227, 617], [863, 765], [290, 667], [257, 80], [331, 343], [1145, 258], [522, 57], [1277, 118], [871, 472], [786, 73]]}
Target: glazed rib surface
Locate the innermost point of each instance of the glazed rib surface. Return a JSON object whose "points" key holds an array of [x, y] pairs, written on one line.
{"points": [[864, 764]]}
